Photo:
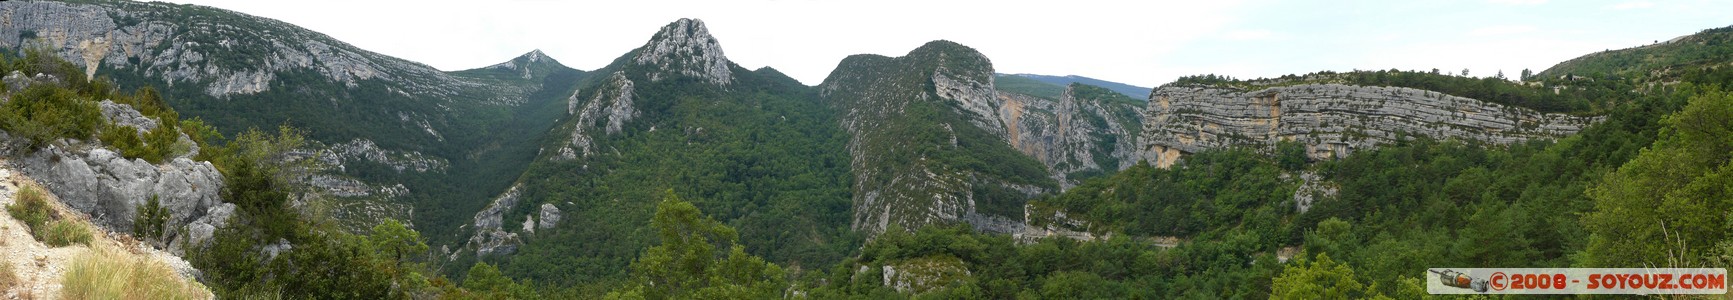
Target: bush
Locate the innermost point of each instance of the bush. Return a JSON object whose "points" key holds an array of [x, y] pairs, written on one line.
{"points": [[64, 232], [47, 226], [31, 207], [106, 273], [149, 220], [44, 113]]}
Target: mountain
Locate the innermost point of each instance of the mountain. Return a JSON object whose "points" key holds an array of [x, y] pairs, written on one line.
{"points": [[928, 144], [754, 148], [400, 139], [1135, 92]]}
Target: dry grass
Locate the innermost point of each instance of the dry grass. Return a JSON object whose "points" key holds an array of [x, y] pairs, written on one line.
{"points": [[61, 233], [107, 273], [8, 278]]}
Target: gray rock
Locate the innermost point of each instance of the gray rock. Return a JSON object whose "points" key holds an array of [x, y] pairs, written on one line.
{"points": [[101, 183], [124, 115], [1331, 120], [490, 236], [272, 250], [612, 105], [1063, 134], [686, 47], [549, 217]]}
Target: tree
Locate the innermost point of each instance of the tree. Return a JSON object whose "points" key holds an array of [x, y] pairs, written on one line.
{"points": [[1321, 278], [392, 238], [1526, 74], [484, 281], [1668, 205], [1464, 72], [688, 264]]}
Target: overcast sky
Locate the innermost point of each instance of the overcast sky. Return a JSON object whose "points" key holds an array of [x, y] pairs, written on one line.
{"points": [[1145, 43]]}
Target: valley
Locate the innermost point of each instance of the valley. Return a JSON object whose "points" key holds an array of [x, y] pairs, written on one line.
{"points": [[287, 163]]}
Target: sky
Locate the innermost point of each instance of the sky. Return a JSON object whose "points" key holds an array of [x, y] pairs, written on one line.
{"points": [[1143, 43]]}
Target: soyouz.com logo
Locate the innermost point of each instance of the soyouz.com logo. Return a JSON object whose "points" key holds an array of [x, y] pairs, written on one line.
{"points": [[1637, 281]]}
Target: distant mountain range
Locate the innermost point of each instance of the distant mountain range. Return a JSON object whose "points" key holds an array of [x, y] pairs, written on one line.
{"points": [[1031, 84]]}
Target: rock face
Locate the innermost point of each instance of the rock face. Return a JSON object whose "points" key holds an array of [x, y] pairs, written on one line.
{"points": [[685, 47], [162, 41], [110, 188], [1331, 120], [1089, 130], [549, 216], [611, 108], [914, 120]]}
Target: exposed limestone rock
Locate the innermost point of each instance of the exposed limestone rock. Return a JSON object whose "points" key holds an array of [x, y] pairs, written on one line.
{"points": [[549, 217], [1331, 120], [108, 187], [135, 35], [686, 47], [17, 81], [885, 100], [1073, 136], [612, 104], [1312, 188], [924, 274], [490, 236], [365, 150], [124, 115], [976, 97]]}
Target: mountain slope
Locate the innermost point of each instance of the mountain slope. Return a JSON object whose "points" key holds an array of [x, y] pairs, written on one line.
{"points": [[754, 148], [397, 132], [1665, 60], [928, 144]]}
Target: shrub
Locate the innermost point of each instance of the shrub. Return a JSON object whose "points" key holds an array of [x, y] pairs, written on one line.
{"points": [[64, 232], [31, 207], [149, 220], [107, 273], [44, 113], [47, 226]]}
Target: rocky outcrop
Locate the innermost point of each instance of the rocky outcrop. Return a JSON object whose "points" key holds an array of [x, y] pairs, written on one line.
{"points": [[1331, 120], [1087, 131], [124, 115], [911, 119], [490, 236], [101, 183], [974, 94], [338, 155], [611, 107], [685, 47], [167, 41], [550, 216]]}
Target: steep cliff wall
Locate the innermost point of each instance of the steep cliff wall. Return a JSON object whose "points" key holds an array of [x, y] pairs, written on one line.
{"points": [[1088, 131], [1331, 120]]}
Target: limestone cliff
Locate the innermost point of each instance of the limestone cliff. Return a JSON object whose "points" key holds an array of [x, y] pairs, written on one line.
{"points": [[1331, 120], [1088, 131], [928, 142]]}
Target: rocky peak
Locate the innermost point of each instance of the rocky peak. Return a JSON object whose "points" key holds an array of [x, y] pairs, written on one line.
{"points": [[685, 47], [529, 65]]}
